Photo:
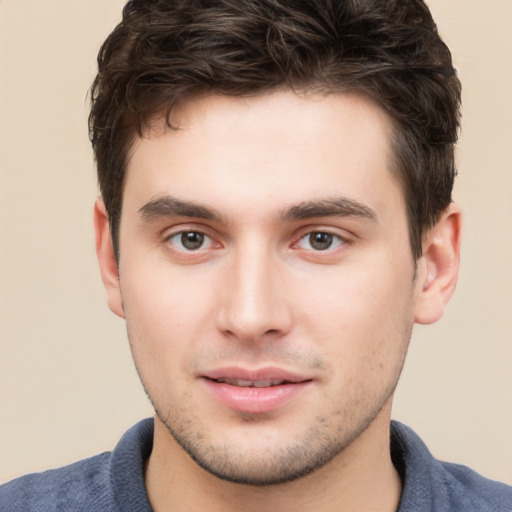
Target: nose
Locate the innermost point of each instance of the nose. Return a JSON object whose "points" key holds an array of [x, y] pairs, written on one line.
{"points": [[253, 298]]}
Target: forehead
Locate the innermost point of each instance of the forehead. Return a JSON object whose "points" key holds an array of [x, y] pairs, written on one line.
{"points": [[266, 151]]}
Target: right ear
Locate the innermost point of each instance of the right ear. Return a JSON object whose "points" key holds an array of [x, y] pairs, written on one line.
{"points": [[106, 259]]}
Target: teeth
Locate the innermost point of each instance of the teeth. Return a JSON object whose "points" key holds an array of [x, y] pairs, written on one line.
{"points": [[263, 383], [252, 383], [243, 383]]}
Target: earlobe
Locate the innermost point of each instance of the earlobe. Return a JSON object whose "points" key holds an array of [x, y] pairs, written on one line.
{"points": [[439, 266], [106, 259]]}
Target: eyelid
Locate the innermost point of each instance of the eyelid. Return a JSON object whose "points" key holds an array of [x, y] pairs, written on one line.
{"points": [[342, 234], [184, 227], [170, 233], [336, 242], [206, 240]]}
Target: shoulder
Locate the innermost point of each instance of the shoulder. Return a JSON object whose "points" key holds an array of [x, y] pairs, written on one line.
{"points": [[471, 490], [429, 484], [79, 486], [111, 481]]}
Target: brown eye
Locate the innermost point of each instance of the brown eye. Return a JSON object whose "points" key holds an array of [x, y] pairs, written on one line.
{"points": [[190, 240], [320, 241]]}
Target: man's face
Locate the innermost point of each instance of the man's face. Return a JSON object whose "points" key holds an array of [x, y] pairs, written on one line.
{"points": [[267, 279]]}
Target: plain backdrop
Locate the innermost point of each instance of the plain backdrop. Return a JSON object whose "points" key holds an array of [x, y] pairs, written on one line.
{"points": [[68, 388]]}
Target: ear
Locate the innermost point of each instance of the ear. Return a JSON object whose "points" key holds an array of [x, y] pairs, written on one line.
{"points": [[438, 268], [107, 259]]}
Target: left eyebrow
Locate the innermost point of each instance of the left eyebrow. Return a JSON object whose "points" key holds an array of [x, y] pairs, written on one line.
{"points": [[330, 207]]}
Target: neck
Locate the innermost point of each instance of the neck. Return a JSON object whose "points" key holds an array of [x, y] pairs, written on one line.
{"points": [[362, 477]]}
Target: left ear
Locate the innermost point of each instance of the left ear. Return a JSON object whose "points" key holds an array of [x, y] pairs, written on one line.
{"points": [[438, 268]]}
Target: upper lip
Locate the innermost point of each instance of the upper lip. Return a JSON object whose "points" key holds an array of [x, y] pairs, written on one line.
{"points": [[262, 374]]}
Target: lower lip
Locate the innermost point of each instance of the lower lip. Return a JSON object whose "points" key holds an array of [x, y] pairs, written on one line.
{"points": [[255, 400]]}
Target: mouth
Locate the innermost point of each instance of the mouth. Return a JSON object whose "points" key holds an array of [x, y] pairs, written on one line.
{"points": [[255, 391], [242, 383]]}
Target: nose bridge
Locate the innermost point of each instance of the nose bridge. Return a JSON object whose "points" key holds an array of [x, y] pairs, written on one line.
{"points": [[253, 304]]}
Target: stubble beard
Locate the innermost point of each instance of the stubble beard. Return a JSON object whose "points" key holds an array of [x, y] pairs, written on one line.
{"points": [[318, 446], [276, 465], [279, 465]]}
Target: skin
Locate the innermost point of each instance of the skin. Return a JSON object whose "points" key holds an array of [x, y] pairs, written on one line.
{"points": [[253, 182]]}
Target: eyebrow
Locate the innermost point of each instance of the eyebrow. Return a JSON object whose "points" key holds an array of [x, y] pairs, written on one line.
{"points": [[330, 207], [168, 206]]}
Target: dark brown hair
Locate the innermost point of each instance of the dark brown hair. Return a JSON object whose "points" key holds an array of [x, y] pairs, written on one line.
{"points": [[165, 51]]}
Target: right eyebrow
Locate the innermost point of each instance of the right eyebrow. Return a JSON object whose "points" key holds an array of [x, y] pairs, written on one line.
{"points": [[168, 206]]}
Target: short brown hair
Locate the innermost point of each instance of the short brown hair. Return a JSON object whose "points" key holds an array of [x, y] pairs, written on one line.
{"points": [[165, 51]]}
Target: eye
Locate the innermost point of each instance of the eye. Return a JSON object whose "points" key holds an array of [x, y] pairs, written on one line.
{"points": [[320, 241], [190, 241]]}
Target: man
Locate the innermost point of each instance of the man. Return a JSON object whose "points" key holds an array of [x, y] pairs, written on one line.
{"points": [[276, 214]]}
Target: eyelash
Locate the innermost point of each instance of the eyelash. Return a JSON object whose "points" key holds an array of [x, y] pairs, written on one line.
{"points": [[180, 236], [335, 239], [177, 241]]}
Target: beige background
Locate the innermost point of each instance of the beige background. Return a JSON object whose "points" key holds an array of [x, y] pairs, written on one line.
{"points": [[67, 385]]}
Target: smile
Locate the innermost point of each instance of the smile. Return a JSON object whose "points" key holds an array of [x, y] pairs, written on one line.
{"points": [[253, 383], [255, 392]]}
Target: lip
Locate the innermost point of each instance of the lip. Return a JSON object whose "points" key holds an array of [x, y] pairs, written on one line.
{"points": [[253, 400]]}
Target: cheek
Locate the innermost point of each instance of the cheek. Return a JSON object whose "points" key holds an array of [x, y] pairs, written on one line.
{"points": [[165, 316], [161, 293], [359, 294], [163, 327], [362, 316]]}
